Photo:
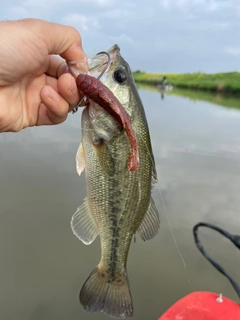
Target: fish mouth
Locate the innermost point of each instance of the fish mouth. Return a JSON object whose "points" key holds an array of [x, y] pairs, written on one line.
{"points": [[94, 64]]}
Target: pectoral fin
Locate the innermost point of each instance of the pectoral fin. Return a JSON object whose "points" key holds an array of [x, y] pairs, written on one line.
{"points": [[80, 159], [83, 225], [150, 224]]}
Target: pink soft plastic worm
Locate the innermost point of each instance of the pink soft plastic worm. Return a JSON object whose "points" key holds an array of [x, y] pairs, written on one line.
{"points": [[99, 93]]}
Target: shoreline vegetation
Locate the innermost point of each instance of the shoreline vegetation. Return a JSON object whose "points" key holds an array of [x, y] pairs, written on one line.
{"points": [[227, 101], [225, 83]]}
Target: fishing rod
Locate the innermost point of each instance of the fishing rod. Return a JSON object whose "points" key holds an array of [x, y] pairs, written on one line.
{"points": [[235, 239]]}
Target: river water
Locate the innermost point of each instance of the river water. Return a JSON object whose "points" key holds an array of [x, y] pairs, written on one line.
{"points": [[43, 265]]}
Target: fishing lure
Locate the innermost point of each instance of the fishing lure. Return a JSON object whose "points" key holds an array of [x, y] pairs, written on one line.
{"points": [[95, 90]]}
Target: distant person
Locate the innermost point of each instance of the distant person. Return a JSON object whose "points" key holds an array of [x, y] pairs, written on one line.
{"points": [[164, 81], [35, 86]]}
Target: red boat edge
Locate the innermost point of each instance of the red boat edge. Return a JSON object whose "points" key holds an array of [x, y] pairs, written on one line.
{"points": [[203, 306]]}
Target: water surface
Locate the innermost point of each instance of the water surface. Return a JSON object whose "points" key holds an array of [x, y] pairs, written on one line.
{"points": [[43, 265]]}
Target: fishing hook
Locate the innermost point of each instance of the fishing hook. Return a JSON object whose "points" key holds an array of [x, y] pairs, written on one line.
{"points": [[75, 109]]}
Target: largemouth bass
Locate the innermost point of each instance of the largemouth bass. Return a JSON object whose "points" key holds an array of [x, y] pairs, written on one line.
{"points": [[118, 202]]}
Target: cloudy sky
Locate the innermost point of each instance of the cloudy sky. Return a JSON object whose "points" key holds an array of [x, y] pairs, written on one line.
{"points": [[155, 35]]}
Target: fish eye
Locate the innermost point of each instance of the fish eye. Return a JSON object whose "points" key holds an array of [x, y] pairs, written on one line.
{"points": [[120, 76]]}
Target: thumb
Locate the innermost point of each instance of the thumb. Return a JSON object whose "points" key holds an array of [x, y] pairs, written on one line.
{"points": [[59, 39]]}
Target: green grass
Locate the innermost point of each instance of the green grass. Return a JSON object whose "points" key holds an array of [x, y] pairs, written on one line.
{"points": [[228, 101], [227, 83]]}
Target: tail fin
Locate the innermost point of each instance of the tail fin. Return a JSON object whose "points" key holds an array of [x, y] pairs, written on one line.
{"points": [[99, 294]]}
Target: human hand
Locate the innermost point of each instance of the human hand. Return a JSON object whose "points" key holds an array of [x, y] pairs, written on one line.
{"points": [[35, 86]]}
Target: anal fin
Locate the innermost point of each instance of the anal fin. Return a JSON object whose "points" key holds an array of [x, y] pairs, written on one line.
{"points": [[150, 224], [83, 225]]}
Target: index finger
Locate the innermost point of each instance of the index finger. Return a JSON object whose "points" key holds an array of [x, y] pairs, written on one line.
{"points": [[56, 66]]}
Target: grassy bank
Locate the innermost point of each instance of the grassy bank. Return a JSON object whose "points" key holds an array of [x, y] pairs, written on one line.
{"points": [[228, 83], [228, 101]]}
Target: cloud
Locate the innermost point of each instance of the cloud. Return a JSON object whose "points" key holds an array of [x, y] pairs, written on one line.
{"points": [[17, 12], [123, 38], [177, 4], [212, 6], [174, 35], [117, 13], [212, 26], [187, 5], [233, 51], [221, 25], [80, 22], [42, 3], [103, 3]]}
